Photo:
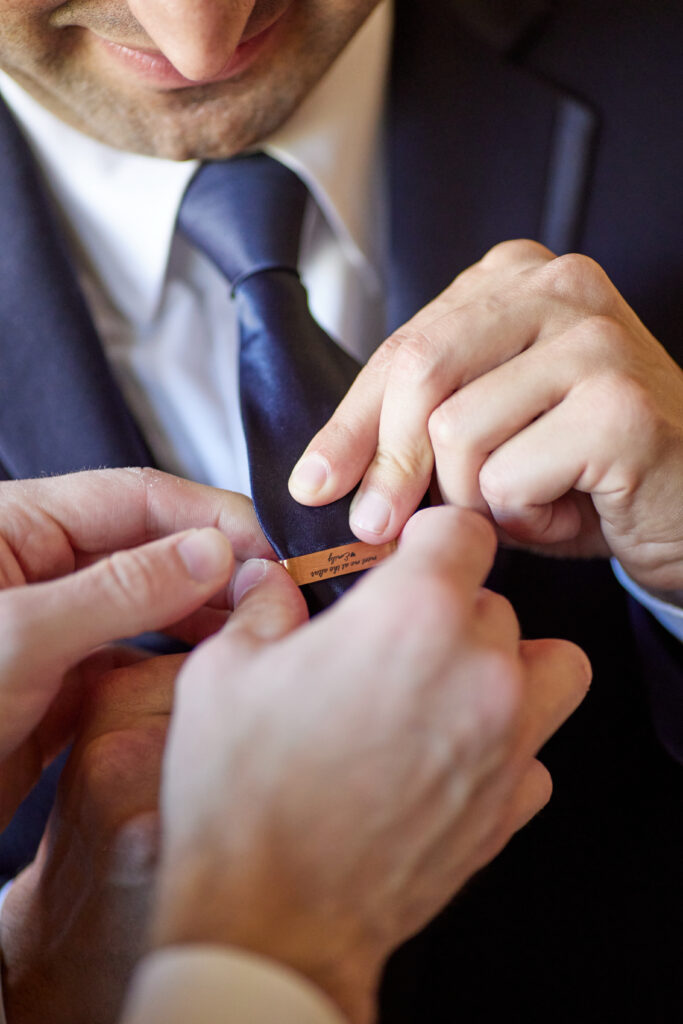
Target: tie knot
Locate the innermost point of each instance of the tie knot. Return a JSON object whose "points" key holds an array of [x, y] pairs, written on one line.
{"points": [[245, 214]]}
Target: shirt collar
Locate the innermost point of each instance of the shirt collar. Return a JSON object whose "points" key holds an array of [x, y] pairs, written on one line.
{"points": [[333, 139], [120, 208]]}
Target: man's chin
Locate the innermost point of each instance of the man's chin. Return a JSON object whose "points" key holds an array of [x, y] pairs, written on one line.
{"points": [[208, 131], [212, 129], [207, 122]]}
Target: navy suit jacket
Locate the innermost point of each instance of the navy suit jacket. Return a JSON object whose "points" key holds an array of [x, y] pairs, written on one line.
{"points": [[526, 119]]}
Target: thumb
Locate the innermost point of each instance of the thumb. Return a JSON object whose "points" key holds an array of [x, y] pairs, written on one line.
{"points": [[268, 605], [46, 628]]}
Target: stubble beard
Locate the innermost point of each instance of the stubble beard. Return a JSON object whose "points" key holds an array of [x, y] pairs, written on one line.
{"points": [[210, 122]]}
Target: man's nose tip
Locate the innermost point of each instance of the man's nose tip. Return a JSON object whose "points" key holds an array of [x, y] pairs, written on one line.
{"points": [[199, 61], [197, 36]]}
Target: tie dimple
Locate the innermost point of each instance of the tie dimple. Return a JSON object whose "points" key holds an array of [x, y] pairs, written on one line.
{"points": [[246, 215]]}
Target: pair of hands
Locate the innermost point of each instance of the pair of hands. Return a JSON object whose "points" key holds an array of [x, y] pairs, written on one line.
{"points": [[539, 398], [326, 787], [106, 556]]}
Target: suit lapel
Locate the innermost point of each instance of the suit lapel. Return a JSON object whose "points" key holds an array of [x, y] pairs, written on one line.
{"points": [[60, 409], [479, 150]]}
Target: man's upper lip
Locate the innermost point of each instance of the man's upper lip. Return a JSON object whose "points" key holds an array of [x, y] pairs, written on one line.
{"points": [[151, 51], [146, 50]]}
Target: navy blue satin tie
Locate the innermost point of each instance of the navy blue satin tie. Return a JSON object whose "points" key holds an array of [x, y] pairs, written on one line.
{"points": [[246, 214]]}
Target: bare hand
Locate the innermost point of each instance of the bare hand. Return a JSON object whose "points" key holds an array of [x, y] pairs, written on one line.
{"points": [[542, 401], [355, 772], [50, 533], [74, 922]]}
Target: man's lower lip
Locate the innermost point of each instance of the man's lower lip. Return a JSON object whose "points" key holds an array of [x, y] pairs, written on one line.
{"points": [[158, 70]]}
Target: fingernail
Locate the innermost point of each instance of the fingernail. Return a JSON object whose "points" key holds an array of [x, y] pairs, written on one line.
{"points": [[206, 554], [251, 573], [310, 474], [370, 511]]}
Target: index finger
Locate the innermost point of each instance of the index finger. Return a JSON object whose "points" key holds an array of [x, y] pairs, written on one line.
{"points": [[48, 523]]}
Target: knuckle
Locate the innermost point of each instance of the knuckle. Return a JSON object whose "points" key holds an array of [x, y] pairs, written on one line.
{"points": [[623, 407], [535, 789], [606, 337], [442, 426], [562, 660], [450, 424], [582, 668], [27, 534], [507, 671], [574, 277], [144, 476], [339, 434], [516, 250], [147, 482], [411, 461], [604, 399], [498, 482], [543, 784], [542, 787], [581, 671], [468, 279], [502, 676], [144, 480], [382, 358], [567, 662], [418, 361], [11, 572], [491, 603], [129, 579]]}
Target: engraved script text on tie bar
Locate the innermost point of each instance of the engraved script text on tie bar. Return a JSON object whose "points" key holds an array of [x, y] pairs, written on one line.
{"points": [[323, 565]]}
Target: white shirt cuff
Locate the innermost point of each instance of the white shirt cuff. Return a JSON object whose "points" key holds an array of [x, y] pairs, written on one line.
{"points": [[670, 615], [216, 985]]}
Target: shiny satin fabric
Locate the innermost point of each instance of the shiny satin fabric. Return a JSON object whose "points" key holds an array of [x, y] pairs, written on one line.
{"points": [[246, 215]]}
